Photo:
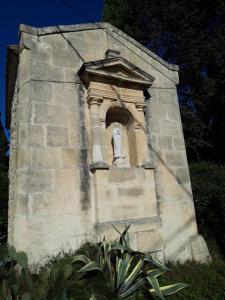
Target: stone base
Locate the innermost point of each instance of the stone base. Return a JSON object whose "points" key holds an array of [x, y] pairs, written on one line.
{"points": [[200, 250], [121, 162]]}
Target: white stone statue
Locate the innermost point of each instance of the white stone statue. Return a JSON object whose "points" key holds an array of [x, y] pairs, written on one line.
{"points": [[117, 141]]}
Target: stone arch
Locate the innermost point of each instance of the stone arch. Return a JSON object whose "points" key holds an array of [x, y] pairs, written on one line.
{"points": [[127, 126], [108, 105]]}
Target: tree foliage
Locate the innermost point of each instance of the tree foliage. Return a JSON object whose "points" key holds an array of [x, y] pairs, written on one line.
{"points": [[209, 196], [190, 34]]}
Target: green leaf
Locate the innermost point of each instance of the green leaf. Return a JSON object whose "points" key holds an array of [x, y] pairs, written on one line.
{"points": [[156, 263], [90, 267], [9, 296], [15, 288], [137, 285], [82, 258], [12, 252], [155, 272], [154, 283], [64, 295], [22, 259], [26, 296], [171, 289], [122, 269], [133, 276], [68, 270], [27, 278]]}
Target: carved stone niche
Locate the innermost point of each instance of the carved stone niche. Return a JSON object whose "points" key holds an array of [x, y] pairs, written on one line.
{"points": [[115, 96], [123, 181]]}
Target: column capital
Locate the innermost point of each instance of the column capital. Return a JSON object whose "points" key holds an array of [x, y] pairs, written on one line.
{"points": [[94, 100]]}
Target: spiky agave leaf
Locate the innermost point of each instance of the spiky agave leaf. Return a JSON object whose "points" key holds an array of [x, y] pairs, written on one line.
{"points": [[91, 266], [132, 276], [156, 262], [82, 258], [134, 287], [169, 290], [155, 272], [153, 282], [122, 269]]}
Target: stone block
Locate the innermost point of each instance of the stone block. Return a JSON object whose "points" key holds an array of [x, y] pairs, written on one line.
{"points": [[34, 181], [55, 41], [21, 204], [118, 175], [25, 113], [178, 143], [170, 128], [46, 72], [45, 158], [150, 241], [65, 58], [65, 94], [165, 142], [80, 41], [40, 113], [56, 115], [70, 158], [182, 175], [41, 91], [24, 69], [24, 158], [57, 136], [66, 179], [41, 54], [174, 158], [70, 75], [130, 191], [173, 112], [154, 125], [158, 111], [178, 250], [24, 93], [31, 135], [45, 204]]}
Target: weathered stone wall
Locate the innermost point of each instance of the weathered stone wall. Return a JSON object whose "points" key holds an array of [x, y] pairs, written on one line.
{"points": [[52, 202]]}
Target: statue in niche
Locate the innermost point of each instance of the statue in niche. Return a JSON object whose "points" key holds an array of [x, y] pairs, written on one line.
{"points": [[117, 139]]}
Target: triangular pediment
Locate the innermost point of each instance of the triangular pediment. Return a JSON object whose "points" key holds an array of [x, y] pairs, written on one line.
{"points": [[116, 70]]}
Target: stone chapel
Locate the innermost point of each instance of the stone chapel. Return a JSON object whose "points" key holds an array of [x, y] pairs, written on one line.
{"points": [[96, 142]]}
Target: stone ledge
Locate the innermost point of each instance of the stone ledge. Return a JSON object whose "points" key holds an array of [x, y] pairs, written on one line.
{"points": [[99, 166], [141, 224], [149, 166]]}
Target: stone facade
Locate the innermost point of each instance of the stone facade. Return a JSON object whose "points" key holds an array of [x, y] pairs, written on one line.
{"points": [[72, 83]]}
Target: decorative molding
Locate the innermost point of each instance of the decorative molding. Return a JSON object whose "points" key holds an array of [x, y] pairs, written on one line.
{"points": [[115, 71]]}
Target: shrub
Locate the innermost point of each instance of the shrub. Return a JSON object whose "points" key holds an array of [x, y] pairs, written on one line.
{"points": [[208, 184], [124, 276]]}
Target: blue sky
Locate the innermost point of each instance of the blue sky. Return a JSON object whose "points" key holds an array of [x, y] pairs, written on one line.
{"points": [[39, 13]]}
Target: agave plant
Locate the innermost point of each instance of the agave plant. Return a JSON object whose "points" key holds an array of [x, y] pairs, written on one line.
{"points": [[15, 278], [116, 262]]}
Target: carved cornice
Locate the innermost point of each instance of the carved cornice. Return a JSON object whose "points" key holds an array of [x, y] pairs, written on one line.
{"points": [[114, 96], [115, 71]]}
